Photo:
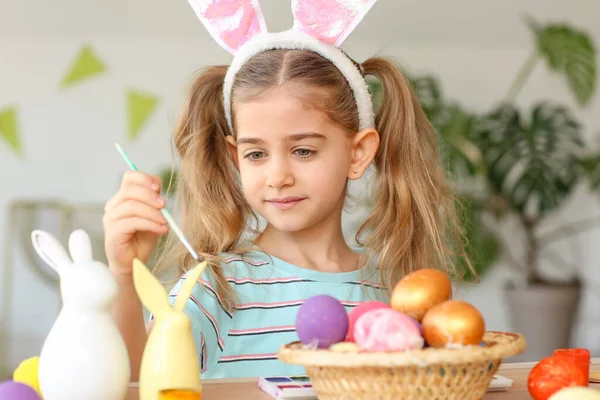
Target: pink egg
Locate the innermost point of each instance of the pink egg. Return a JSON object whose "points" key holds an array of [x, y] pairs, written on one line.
{"points": [[360, 310], [17, 391], [385, 329]]}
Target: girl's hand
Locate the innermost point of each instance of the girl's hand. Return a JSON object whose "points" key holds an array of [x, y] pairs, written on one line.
{"points": [[133, 222]]}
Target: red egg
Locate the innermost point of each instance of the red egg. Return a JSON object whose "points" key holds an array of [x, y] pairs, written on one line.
{"points": [[552, 374], [419, 291], [453, 322], [360, 310]]}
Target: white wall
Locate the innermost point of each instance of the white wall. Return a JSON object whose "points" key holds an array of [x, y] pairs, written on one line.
{"points": [[474, 47]]}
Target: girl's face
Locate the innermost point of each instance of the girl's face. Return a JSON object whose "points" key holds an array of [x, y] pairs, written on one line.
{"points": [[293, 160]]}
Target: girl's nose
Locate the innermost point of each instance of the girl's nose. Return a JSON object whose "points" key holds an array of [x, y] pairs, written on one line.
{"points": [[279, 174]]}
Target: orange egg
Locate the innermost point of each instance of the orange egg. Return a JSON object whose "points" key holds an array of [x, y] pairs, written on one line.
{"points": [[180, 395], [453, 322], [420, 290]]}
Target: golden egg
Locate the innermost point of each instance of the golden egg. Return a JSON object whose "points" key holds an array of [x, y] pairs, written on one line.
{"points": [[453, 322], [419, 291]]}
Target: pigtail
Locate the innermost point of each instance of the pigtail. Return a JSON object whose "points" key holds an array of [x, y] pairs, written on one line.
{"points": [[209, 197], [413, 223]]}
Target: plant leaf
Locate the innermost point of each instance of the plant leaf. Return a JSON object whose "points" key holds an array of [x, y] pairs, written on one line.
{"points": [[572, 53], [533, 166], [168, 177], [481, 245], [453, 125], [592, 168], [376, 91], [428, 90]]}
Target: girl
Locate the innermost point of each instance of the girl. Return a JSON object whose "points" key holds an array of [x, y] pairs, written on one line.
{"points": [[279, 134]]}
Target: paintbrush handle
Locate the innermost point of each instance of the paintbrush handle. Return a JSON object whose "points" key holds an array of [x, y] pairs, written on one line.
{"points": [[179, 233]]}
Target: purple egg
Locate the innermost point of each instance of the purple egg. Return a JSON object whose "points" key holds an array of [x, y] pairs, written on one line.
{"points": [[418, 325], [322, 320], [10, 390], [425, 345]]}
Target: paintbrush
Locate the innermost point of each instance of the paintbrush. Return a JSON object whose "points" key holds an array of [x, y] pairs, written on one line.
{"points": [[164, 211]]}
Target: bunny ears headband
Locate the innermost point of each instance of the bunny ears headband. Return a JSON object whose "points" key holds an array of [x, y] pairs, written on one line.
{"points": [[321, 26]]}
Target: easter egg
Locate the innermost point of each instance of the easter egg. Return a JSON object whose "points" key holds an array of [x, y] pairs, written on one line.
{"points": [[453, 322], [360, 310], [27, 373], [419, 291], [322, 321], [180, 395], [384, 329], [345, 347], [552, 374], [17, 391], [576, 393]]}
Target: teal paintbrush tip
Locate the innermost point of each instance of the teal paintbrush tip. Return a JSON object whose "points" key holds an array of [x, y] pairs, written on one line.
{"points": [[125, 157]]}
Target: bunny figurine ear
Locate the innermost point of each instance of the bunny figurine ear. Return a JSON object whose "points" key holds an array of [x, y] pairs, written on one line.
{"points": [[80, 246], [50, 250], [330, 21], [186, 288], [150, 291], [231, 23]]}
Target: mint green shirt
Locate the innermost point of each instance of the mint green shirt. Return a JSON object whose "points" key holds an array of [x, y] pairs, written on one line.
{"points": [[270, 291]]}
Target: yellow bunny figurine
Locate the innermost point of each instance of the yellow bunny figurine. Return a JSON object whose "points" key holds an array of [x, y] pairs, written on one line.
{"points": [[169, 361]]}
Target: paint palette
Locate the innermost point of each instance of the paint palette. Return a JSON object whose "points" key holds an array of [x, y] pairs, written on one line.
{"points": [[284, 387], [299, 387], [500, 383]]}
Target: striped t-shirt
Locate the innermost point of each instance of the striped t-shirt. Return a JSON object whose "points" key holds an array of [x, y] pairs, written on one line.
{"points": [[245, 342]]}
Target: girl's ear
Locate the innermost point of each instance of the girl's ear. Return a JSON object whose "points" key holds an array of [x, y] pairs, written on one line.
{"points": [[364, 147], [232, 148]]}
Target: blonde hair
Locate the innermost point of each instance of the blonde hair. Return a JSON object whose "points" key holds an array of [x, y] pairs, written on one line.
{"points": [[412, 224]]}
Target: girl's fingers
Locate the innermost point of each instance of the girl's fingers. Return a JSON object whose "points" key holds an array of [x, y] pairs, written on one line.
{"points": [[132, 178], [134, 208], [136, 193], [130, 226]]}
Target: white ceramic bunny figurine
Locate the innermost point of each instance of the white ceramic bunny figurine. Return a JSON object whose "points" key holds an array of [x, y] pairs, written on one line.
{"points": [[84, 355]]}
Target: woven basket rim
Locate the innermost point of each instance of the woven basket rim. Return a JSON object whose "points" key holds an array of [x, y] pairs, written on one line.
{"points": [[498, 345]]}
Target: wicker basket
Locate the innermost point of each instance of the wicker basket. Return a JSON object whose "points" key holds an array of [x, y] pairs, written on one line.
{"points": [[460, 373]]}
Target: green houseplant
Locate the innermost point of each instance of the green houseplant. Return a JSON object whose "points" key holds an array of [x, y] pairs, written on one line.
{"points": [[534, 163], [524, 165]]}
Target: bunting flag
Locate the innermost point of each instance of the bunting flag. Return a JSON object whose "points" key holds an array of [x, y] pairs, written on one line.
{"points": [[141, 106], [86, 66], [9, 130]]}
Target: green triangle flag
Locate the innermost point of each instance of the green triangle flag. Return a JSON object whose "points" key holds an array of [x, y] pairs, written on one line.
{"points": [[8, 128], [141, 106], [86, 66]]}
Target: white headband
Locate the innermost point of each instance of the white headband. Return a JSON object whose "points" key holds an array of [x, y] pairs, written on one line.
{"points": [[301, 41], [319, 25]]}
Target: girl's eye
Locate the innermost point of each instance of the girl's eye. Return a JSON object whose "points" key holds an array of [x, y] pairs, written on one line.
{"points": [[255, 156], [304, 153]]}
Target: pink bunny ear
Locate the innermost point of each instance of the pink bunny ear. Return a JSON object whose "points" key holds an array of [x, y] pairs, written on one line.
{"points": [[230, 22], [330, 21]]}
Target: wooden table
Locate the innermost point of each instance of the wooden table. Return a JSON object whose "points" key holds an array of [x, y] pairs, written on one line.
{"points": [[247, 389]]}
